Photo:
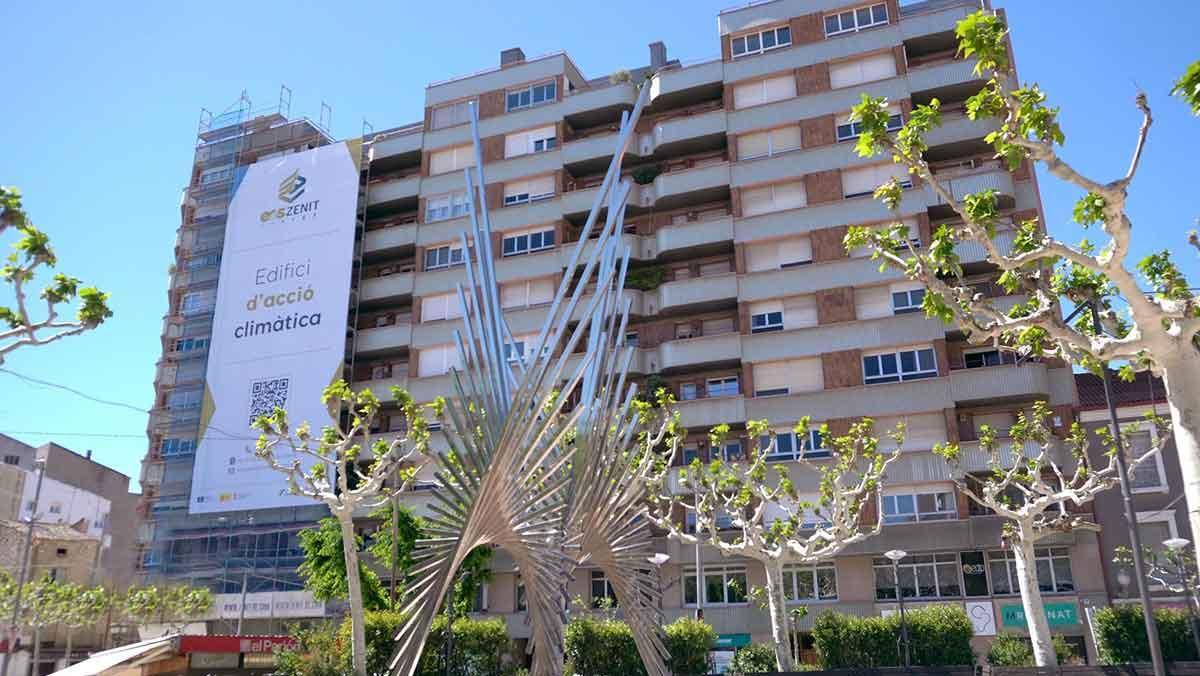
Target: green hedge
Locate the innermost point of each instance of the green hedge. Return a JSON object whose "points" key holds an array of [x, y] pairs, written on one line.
{"points": [[479, 646], [756, 658], [938, 636], [601, 647], [1014, 650], [688, 642], [1121, 633]]}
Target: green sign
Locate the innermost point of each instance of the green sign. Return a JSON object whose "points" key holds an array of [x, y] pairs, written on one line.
{"points": [[725, 641], [1057, 614]]}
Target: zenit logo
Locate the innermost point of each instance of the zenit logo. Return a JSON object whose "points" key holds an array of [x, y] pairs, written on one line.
{"points": [[292, 187]]}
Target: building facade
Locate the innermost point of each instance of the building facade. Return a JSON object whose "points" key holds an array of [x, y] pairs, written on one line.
{"points": [[744, 301]]}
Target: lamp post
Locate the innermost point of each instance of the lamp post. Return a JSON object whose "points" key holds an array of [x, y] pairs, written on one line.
{"points": [[658, 560], [1179, 546], [40, 465], [895, 555]]}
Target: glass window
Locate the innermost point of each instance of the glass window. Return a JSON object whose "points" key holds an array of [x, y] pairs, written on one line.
{"points": [[690, 453], [723, 585], [974, 573], [921, 576], [525, 243], [907, 508], [531, 96], [1146, 475], [981, 358], [601, 590], [521, 604], [903, 365], [762, 41], [732, 451], [766, 322], [1053, 566], [722, 387], [856, 19], [907, 301], [443, 257], [688, 391], [810, 584]]}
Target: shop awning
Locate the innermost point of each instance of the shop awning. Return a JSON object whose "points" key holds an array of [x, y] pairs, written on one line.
{"points": [[131, 655]]}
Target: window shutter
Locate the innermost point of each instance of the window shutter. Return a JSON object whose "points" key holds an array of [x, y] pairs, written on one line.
{"points": [[756, 201], [764, 306], [804, 375], [543, 185], [516, 144], [799, 312], [513, 295], [713, 327], [441, 161], [795, 250], [769, 376], [541, 291], [785, 139], [1000, 422], [872, 302], [763, 256], [878, 67], [431, 361], [515, 188], [433, 308], [752, 145], [748, 94], [906, 286], [779, 88], [858, 181], [789, 195]]}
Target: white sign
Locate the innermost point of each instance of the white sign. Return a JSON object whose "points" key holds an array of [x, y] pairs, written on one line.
{"points": [[983, 617], [279, 329], [284, 604]]}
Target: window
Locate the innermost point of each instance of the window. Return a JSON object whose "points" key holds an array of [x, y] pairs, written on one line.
{"points": [[514, 351], [762, 41], [526, 293], [910, 507], [766, 321], [921, 576], [183, 400], [532, 190], [191, 344], [779, 254], [904, 302], [856, 19], [789, 446], [480, 603], [690, 453], [716, 327], [601, 590], [1148, 475], [892, 367], [723, 585], [684, 331], [688, 391], [533, 141], [440, 306], [442, 207], [178, 447], [515, 245], [848, 130], [56, 508], [521, 604], [1156, 527], [722, 387], [732, 451], [443, 256], [768, 143], [452, 114], [810, 584], [534, 95], [12, 459], [434, 361], [447, 160], [788, 377], [868, 69], [764, 91], [976, 359], [864, 181], [197, 302], [631, 339], [208, 261], [1053, 566], [776, 197]]}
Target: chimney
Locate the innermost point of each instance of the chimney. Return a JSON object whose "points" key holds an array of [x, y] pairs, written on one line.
{"points": [[511, 57], [89, 454], [658, 55]]}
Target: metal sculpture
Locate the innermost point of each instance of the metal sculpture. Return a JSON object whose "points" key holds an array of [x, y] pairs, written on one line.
{"points": [[554, 485]]}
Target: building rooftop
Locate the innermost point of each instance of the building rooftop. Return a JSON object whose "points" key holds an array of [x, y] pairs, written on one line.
{"points": [[1144, 389], [48, 531]]}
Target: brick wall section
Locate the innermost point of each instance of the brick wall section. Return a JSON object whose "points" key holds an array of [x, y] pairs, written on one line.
{"points": [[743, 318], [731, 145], [823, 186], [735, 202], [835, 305], [924, 230], [962, 502], [1022, 172], [806, 29], [942, 356], [491, 104], [746, 380], [425, 155], [494, 195], [901, 59], [842, 369], [869, 515], [818, 131], [739, 258], [727, 49], [420, 266], [812, 79], [951, 417], [893, 8], [428, 118], [827, 244], [954, 355], [727, 94], [493, 148], [420, 210], [497, 245]]}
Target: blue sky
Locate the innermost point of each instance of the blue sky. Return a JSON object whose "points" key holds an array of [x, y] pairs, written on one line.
{"points": [[101, 102]]}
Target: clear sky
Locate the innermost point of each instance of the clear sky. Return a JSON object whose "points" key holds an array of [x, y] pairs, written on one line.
{"points": [[101, 99]]}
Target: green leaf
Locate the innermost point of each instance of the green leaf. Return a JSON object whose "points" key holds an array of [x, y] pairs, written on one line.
{"points": [[1187, 87]]}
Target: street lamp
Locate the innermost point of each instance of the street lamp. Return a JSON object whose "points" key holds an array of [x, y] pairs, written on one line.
{"points": [[895, 555], [1178, 546], [658, 560]]}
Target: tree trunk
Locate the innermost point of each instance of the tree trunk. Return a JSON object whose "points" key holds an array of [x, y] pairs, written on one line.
{"points": [[1181, 377], [70, 637], [777, 606], [357, 621], [1031, 599], [37, 651]]}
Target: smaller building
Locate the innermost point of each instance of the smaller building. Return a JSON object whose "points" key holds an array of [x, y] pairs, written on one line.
{"points": [[1157, 484]]}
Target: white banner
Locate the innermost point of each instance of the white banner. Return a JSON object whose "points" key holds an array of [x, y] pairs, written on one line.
{"points": [[283, 604], [279, 329]]}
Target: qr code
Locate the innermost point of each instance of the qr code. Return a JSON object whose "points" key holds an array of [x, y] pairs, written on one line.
{"points": [[267, 395]]}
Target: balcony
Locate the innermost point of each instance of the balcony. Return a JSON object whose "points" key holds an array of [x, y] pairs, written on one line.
{"points": [[974, 251], [724, 347], [382, 388], [589, 148], [394, 189], [391, 237], [812, 278], [975, 459], [929, 394], [384, 337], [689, 77], [588, 100], [387, 286], [694, 234], [999, 382], [942, 74], [702, 414], [705, 121], [671, 187], [398, 142], [864, 334], [961, 186], [696, 292]]}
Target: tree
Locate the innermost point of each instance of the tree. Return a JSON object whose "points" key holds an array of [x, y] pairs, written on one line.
{"points": [[32, 252], [1158, 328], [83, 607], [1187, 87], [324, 567], [805, 532], [395, 538], [336, 475], [42, 605], [1032, 484]]}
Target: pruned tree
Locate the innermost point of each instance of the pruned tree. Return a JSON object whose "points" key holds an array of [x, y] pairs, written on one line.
{"points": [[1034, 482], [33, 252], [42, 605], [346, 468], [1154, 327], [803, 531], [182, 604], [83, 608], [324, 571]]}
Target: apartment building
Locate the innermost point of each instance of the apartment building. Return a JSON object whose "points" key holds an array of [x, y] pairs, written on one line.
{"points": [[1156, 485], [744, 301]]}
